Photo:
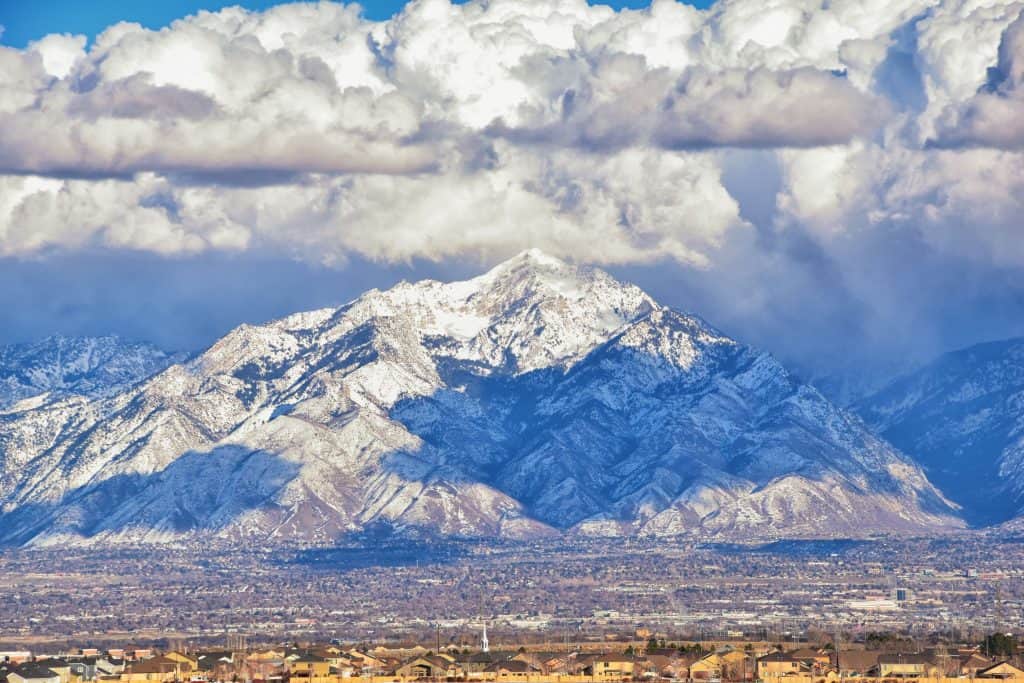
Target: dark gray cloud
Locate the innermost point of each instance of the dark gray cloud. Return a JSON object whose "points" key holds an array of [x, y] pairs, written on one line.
{"points": [[136, 97], [701, 109]]}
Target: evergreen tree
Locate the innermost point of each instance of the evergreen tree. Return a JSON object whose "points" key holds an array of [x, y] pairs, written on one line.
{"points": [[1000, 645]]}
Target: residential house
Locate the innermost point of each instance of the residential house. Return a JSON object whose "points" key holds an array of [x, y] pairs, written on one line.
{"points": [[367, 663], [558, 663], [428, 666], [707, 668], [182, 658], [577, 662], [969, 664], [780, 664], [736, 665], [109, 667], [32, 672], [218, 665], [818, 661], [671, 663], [616, 666], [904, 665], [83, 668], [264, 665], [328, 652], [1003, 670], [334, 656], [310, 668], [512, 669], [478, 662], [58, 666], [543, 662], [853, 663], [162, 668]]}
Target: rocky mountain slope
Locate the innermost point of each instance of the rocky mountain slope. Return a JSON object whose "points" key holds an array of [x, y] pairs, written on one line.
{"points": [[63, 366], [539, 398], [962, 418]]}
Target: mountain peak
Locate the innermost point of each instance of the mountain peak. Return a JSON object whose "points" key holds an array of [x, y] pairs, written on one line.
{"points": [[533, 310], [530, 263], [539, 257]]}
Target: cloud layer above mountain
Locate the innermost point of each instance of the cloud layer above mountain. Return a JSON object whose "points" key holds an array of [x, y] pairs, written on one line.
{"points": [[786, 143]]}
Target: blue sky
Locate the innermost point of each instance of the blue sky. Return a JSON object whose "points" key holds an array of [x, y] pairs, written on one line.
{"points": [[26, 20]]}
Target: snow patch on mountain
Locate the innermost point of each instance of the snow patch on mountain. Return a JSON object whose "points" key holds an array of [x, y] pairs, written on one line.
{"points": [[61, 366]]}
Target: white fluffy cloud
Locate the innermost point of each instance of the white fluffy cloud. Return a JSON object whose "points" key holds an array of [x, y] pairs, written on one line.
{"points": [[994, 116], [195, 99], [483, 128]]}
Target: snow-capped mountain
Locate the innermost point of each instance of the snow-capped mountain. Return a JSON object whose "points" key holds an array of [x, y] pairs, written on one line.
{"points": [[538, 398], [962, 418], [63, 366]]}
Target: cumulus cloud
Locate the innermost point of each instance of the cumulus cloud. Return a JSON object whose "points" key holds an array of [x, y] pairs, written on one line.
{"points": [[624, 103], [190, 99], [439, 116], [680, 210], [994, 117], [235, 93], [451, 129], [792, 140]]}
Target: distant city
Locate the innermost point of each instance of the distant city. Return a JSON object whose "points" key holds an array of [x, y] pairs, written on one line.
{"points": [[579, 593]]}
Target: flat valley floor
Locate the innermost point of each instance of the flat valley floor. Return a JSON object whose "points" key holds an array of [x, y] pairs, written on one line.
{"points": [[570, 592]]}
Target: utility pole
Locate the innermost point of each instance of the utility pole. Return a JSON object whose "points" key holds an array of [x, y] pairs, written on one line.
{"points": [[999, 610], [835, 646]]}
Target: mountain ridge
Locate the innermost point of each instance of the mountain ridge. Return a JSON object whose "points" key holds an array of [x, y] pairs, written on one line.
{"points": [[962, 417], [539, 398], [59, 366]]}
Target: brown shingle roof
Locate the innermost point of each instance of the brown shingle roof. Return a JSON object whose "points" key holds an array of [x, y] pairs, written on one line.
{"points": [[158, 665]]}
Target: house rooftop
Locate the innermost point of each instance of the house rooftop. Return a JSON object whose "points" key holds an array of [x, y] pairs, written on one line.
{"points": [[34, 670], [512, 665], [904, 658], [778, 657]]}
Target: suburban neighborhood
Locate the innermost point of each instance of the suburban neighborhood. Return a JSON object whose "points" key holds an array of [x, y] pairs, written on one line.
{"points": [[655, 661]]}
